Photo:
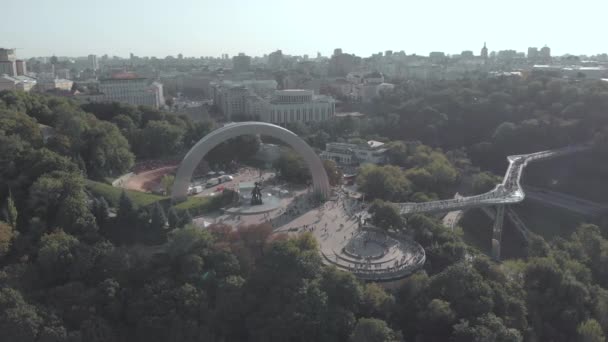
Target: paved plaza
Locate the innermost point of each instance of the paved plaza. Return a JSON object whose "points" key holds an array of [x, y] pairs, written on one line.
{"points": [[337, 225]]}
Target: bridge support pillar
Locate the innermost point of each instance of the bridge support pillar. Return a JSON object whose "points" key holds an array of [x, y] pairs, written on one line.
{"points": [[497, 231]]}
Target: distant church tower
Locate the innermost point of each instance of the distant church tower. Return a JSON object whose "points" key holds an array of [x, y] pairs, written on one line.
{"points": [[484, 52]]}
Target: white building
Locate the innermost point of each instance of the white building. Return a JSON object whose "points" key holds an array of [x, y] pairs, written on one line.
{"points": [[23, 83], [251, 100], [132, 90], [293, 105], [352, 154], [46, 84]]}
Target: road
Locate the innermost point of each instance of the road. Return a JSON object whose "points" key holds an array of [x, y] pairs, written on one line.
{"points": [[564, 201], [245, 174], [450, 220]]}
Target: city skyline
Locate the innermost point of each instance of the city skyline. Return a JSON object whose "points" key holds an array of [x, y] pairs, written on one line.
{"points": [[205, 28]]}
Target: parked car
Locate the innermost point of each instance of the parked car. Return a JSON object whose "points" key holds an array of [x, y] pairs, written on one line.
{"points": [[226, 178]]}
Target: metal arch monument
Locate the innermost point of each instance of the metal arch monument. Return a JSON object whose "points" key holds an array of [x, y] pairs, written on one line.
{"points": [[211, 140]]}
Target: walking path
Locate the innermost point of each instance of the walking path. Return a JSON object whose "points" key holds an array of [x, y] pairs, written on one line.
{"points": [[508, 192]]}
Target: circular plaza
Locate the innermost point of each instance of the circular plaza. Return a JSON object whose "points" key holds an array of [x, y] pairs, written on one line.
{"points": [[374, 254]]}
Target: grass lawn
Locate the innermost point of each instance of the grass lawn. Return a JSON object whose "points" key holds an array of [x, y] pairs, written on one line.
{"points": [[112, 194], [196, 205]]}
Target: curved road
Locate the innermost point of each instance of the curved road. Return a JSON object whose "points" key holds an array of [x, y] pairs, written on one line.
{"points": [[508, 192], [565, 201]]}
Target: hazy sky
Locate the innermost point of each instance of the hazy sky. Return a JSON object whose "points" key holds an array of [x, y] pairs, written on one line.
{"points": [[209, 28]]}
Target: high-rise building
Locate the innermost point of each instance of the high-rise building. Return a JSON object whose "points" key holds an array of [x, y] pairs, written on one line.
{"points": [[241, 63], [93, 62], [21, 67], [275, 60], [545, 53], [8, 62], [533, 53], [7, 55], [340, 63]]}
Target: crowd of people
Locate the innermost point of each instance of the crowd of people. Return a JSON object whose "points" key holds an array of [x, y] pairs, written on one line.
{"points": [[412, 256]]}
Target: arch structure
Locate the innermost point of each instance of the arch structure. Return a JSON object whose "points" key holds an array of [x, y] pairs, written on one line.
{"points": [[211, 140]]}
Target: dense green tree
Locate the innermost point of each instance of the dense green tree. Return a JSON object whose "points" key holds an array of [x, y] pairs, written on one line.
{"points": [[173, 218], [196, 131], [159, 138], [376, 301], [7, 233], [384, 182], [127, 127], [126, 219], [101, 211], [398, 153], [483, 182], [485, 328], [58, 198], [342, 289], [464, 289], [19, 321], [292, 168], [386, 215], [437, 319], [226, 284], [11, 211], [185, 218], [105, 151], [590, 331], [16, 123], [372, 330], [56, 255], [183, 241], [158, 220], [333, 172]]}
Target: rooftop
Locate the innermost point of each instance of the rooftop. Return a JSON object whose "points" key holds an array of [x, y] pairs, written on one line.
{"points": [[353, 114], [20, 78], [374, 143], [374, 74]]}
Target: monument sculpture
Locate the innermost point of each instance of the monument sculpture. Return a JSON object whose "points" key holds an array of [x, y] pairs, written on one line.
{"points": [[256, 194], [199, 150]]}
